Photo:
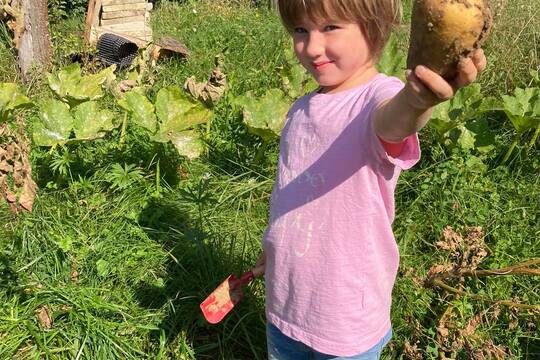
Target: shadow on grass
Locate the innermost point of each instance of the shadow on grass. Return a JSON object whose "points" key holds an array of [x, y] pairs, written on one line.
{"points": [[198, 263], [8, 277]]}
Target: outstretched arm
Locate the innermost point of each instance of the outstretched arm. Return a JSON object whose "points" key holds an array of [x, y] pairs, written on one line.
{"points": [[410, 110]]}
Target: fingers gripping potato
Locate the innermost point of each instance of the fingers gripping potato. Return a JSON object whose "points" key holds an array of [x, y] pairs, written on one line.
{"points": [[445, 31]]}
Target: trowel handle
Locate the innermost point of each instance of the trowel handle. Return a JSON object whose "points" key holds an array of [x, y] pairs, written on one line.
{"points": [[246, 277]]}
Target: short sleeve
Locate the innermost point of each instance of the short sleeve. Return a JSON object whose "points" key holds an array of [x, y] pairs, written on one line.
{"points": [[383, 90]]}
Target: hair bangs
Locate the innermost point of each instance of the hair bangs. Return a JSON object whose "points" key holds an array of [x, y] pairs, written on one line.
{"points": [[294, 12]]}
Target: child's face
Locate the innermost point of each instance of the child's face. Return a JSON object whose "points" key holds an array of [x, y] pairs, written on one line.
{"points": [[335, 53]]}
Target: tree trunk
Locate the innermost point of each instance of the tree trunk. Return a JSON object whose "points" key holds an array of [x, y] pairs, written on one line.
{"points": [[35, 43], [273, 4]]}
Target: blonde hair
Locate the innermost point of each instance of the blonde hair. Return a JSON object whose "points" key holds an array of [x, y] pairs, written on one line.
{"points": [[375, 17]]}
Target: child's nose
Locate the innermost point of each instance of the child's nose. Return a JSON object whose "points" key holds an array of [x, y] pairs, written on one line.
{"points": [[315, 45]]}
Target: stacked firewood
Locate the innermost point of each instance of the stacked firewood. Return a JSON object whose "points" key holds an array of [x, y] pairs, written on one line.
{"points": [[128, 18]]}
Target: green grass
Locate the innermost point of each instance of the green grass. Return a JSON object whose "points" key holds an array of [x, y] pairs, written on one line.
{"points": [[513, 47], [123, 263]]}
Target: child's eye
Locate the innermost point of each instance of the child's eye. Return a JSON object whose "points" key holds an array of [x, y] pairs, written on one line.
{"points": [[300, 30], [330, 27]]}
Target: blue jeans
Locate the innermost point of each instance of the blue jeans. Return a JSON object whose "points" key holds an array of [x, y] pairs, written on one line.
{"points": [[282, 347]]}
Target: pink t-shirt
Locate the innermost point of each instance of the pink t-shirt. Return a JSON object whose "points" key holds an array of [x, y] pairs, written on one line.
{"points": [[331, 256]]}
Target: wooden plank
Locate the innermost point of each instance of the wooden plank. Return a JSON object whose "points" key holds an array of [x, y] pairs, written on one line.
{"points": [[121, 2], [121, 14], [123, 20], [97, 10], [110, 8], [130, 27], [92, 19], [89, 20]]}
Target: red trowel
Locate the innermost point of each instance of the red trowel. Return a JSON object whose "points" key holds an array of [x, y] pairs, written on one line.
{"points": [[224, 297]]}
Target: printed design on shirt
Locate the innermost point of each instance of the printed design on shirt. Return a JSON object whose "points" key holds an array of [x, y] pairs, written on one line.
{"points": [[300, 227], [306, 145]]}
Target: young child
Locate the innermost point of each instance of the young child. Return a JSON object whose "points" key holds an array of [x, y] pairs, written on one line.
{"points": [[329, 255]]}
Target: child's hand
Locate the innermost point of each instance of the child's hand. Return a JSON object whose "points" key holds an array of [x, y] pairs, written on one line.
{"points": [[260, 265], [427, 88]]}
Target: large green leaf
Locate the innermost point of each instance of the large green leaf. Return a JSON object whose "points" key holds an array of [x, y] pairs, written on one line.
{"points": [[10, 99], [295, 79], [523, 109], [64, 81], [476, 134], [265, 116], [177, 111], [440, 119], [91, 122], [491, 103], [73, 88], [90, 86], [461, 108], [55, 125], [141, 109], [459, 121], [392, 60], [187, 143]]}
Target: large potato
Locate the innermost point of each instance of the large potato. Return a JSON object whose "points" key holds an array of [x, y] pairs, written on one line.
{"points": [[444, 31]]}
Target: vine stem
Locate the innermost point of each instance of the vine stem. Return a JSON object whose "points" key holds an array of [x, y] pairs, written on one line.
{"points": [[522, 268], [442, 284], [123, 130], [535, 136], [510, 150]]}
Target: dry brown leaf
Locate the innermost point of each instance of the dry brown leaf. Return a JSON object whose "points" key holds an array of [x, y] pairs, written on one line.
{"points": [[450, 240], [472, 325], [490, 351], [412, 351], [513, 324], [442, 331], [5, 167], [438, 269], [16, 184], [28, 195], [126, 85], [44, 317], [74, 274], [211, 91]]}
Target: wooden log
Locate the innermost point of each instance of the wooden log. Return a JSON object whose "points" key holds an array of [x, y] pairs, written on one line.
{"points": [[111, 8], [121, 14], [35, 42], [123, 20]]}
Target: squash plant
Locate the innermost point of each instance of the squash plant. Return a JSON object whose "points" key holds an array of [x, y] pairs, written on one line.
{"points": [[523, 111], [458, 122], [172, 118], [75, 114], [264, 116]]}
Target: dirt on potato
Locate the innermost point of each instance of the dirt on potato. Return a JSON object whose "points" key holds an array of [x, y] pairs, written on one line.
{"points": [[445, 31]]}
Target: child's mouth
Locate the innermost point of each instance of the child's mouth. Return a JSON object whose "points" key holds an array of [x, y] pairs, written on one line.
{"points": [[321, 65]]}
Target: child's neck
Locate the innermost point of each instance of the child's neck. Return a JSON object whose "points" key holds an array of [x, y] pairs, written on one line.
{"points": [[360, 77]]}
